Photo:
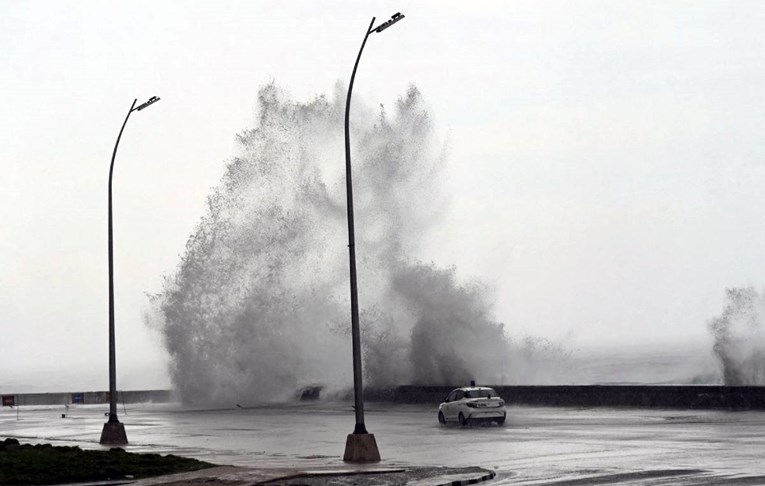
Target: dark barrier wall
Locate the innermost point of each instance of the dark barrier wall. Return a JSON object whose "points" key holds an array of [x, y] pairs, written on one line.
{"points": [[659, 396], [85, 398], [648, 396]]}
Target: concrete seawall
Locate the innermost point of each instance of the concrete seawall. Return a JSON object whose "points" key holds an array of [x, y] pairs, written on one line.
{"points": [[645, 396], [89, 398]]}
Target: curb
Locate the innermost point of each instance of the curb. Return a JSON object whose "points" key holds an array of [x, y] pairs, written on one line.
{"points": [[453, 477], [332, 473], [232, 475], [483, 478], [445, 481], [349, 472]]}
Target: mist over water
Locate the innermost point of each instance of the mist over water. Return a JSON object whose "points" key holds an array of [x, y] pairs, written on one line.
{"points": [[259, 303], [739, 334]]}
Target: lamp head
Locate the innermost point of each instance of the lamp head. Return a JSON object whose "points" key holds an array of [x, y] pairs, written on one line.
{"points": [[394, 18], [152, 100]]}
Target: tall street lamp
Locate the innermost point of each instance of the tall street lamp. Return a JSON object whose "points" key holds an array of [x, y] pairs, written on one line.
{"points": [[360, 445], [114, 431]]}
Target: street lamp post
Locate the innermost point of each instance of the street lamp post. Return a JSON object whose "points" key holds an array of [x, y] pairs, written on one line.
{"points": [[360, 445], [114, 431]]}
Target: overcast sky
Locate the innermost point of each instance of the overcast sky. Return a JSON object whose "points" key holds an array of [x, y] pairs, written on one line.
{"points": [[606, 159]]}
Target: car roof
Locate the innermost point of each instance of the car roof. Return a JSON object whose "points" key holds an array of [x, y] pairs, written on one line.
{"points": [[472, 388]]}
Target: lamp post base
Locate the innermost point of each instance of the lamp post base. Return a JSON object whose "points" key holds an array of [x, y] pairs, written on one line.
{"points": [[113, 433], [361, 448]]}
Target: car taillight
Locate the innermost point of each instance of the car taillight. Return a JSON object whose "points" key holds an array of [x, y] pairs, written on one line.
{"points": [[472, 404]]}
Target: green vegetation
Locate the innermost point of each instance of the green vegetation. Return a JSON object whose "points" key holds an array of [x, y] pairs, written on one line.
{"points": [[45, 464]]}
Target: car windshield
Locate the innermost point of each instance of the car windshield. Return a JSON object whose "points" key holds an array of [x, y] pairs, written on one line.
{"points": [[481, 393]]}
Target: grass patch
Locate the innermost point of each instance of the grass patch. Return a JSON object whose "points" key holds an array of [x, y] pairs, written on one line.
{"points": [[46, 464]]}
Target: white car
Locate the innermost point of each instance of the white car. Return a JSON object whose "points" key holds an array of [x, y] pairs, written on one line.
{"points": [[472, 403]]}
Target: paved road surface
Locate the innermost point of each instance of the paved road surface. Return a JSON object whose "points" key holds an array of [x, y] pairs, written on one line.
{"points": [[536, 445]]}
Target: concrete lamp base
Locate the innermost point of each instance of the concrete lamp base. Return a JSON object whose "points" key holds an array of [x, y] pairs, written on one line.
{"points": [[113, 433], [361, 448]]}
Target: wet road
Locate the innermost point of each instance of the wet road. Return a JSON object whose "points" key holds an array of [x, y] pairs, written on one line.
{"points": [[536, 445]]}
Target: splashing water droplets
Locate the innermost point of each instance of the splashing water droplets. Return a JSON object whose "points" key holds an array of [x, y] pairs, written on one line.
{"points": [[739, 334], [259, 303]]}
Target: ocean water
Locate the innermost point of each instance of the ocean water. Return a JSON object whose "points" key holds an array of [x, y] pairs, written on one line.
{"points": [[647, 365], [45, 379]]}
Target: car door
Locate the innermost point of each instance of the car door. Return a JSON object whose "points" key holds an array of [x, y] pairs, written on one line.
{"points": [[457, 404], [449, 413]]}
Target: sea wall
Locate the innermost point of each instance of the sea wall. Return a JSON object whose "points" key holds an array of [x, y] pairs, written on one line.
{"points": [[646, 396], [86, 398]]}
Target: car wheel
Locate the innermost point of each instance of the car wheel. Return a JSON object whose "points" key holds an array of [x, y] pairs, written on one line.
{"points": [[501, 421], [463, 420], [441, 418]]}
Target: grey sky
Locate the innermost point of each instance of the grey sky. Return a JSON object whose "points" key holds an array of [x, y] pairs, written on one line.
{"points": [[606, 158]]}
